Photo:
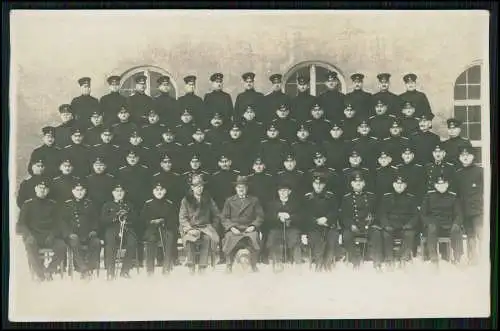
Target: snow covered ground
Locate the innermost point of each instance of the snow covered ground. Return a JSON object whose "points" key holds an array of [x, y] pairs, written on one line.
{"points": [[417, 291]]}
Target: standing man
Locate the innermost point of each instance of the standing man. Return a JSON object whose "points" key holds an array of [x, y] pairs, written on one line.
{"points": [[111, 103], [85, 104], [390, 99], [455, 143], [417, 98], [424, 141], [164, 105], [303, 102], [78, 153], [49, 153], [358, 98], [273, 100], [139, 103], [63, 131], [217, 101], [191, 102], [249, 97], [332, 100]]}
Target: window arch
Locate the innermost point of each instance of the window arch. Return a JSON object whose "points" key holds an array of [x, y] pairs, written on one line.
{"points": [[152, 73], [316, 71], [468, 104]]}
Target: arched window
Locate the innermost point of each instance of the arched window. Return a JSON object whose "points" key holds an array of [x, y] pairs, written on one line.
{"points": [[468, 105], [316, 71], [152, 73]]}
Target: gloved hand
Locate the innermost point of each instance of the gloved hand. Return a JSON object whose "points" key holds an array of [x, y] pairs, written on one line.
{"points": [[92, 234], [235, 230], [407, 227], [73, 236], [194, 232], [377, 227], [157, 220], [251, 228], [354, 228], [389, 228], [455, 227], [321, 221], [303, 239]]}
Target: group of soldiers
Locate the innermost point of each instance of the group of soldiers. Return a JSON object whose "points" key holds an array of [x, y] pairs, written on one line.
{"points": [[349, 165]]}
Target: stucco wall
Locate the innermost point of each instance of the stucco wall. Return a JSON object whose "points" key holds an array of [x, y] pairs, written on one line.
{"points": [[51, 50]]}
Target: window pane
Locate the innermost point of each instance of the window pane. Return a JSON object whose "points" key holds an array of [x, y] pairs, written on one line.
{"points": [[477, 154], [465, 131], [474, 113], [321, 74], [460, 113], [460, 92], [320, 88], [474, 75], [461, 78], [474, 131], [474, 92]]}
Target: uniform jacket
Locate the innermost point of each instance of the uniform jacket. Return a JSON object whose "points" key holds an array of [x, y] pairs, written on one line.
{"points": [[332, 102], [301, 106], [166, 107], [79, 217], [355, 209], [272, 102], [398, 209], [139, 104], [155, 208], [192, 102], [419, 99], [452, 147], [324, 204], [469, 183], [360, 101], [218, 102], [51, 157], [110, 211], [245, 99], [441, 209], [291, 207], [424, 143], [110, 104], [82, 107], [38, 217]]}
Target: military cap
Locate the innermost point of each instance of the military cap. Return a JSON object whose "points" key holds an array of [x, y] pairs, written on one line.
{"points": [[48, 130], [283, 106], [348, 106], [400, 179], [131, 152], [117, 185], [357, 76], [235, 127], [275, 78], [408, 104], [135, 133], [106, 129], [258, 160], [411, 77], [396, 123], [382, 153], [216, 77], [437, 148], [42, 182], [466, 150], [157, 184], [302, 80], [96, 112], [195, 157], [331, 75], [318, 155], [363, 123], [423, 117], [223, 157], [249, 107], [76, 130], [165, 157], [217, 115], [303, 128], [66, 160], [168, 131], [123, 109], [199, 130], [187, 112], [65, 108], [453, 122], [319, 177], [39, 161], [441, 180], [163, 79], [84, 81], [113, 80], [354, 153], [190, 79], [248, 75], [336, 125], [381, 102], [99, 159], [290, 157], [284, 184], [272, 127], [357, 176], [141, 79], [383, 76], [316, 106], [78, 183], [152, 112]]}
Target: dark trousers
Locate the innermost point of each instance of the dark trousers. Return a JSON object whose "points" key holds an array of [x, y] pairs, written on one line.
{"points": [[167, 241], [88, 258], [374, 243], [324, 246], [407, 237], [111, 245], [435, 231], [244, 243], [473, 228], [279, 240], [33, 244], [201, 249]]}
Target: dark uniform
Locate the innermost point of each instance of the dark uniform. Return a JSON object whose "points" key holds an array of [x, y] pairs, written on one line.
{"points": [[84, 105], [393, 101], [174, 184], [417, 98], [336, 151], [302, 104], [304, 151], [332, 179], [99, 189], [145, 153], [49, 154], [239, 151], [217, 134], [253, 130], [436, 169], [27, 188], [413, 173], [369, 179], [350, 125], [79, 154], [110, 104], [135, 179], [287, 127], [111, 152], [139, 103], [165, 105], [360, 100], [204, 150], [62, 186], [63, 130], [409, 125], [424, 143], [175, 152], [367, 147], [380, 124], [384, 176], [218, 101], [319, 129], [395, 145], [273, 101], [297, 181], [192, 103], [184, 131], [248, 98], [452, 146], [273, 153], [153, 132], [262, 185], [122, 132], [93, 134], [332, 101]]}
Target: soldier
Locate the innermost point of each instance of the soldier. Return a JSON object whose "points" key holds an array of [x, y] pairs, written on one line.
{"points": [[119, 218], [413, 173], [455, 142], [124, 128], [85, 104], [63, 130], [285, 227], [384, 175], [417, 98], [442, 216], [164, 104], [294, 177], [222, 181], [62, 184], [318, 125], [48, 152], [173, 149], [439, 167], [350, 122], [332, 100], [332, 179], [381, 122], [153, 130], [390, 99], [218, 100], [107, 149], [79, 221], [190, 101], [469, 182], [216, 134], [136, 143], [303, 102], [408, 121], [356, 163], [195, 169], [366, 145], [395, 143], [252, 129], [203, 149], [93, 133], [322, 223], [78, 153], [184, 131], [233, 149], [38, 225], [285, 124], [424, 141], [249, 97], [358, 98], [358, 220], [170, 180], [159, 218], [111, 103], [139, 103], [399, 215], [100, 182], [273, 150], [27, 186], [335, 148], [273, 100], [303, 149]]}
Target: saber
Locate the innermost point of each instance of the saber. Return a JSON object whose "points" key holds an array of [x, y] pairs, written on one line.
{"points": [[162, 244], [284, 244], [122, 221]]}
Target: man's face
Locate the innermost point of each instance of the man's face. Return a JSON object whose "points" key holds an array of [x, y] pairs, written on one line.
{"points": [[123, 116], [317, 113], [383, 85], [96, 119], [41, 191], [319, 161], [77, 138], [272, 134], [164, 87], [282, 112], [114, 87], [364, 130], [199, 136], [37, 168], [380, 109], [355, 160], [284, 193], [66, 117], [216, 122], [331, 84], [441, 187], [424, 125], [168, 137], [358, 84], [258, 167], [48, 139], [166, 165], [336, 132], [411, 86], [395, 131], [384, 160], [106, 137], [195, 164], [99, 167], [302, 87], [439, 155], [132, 159], [225, 164], [79, 192], [186, 118], [241, 189], [276, 87], [197, 189], [407, 157], [235, 133], [349, 112], [190, 87], [358, 185], [399, 187], [140, 87], [118, 194], [217, 85], [466, 159], [408, 111], [85, 88], [318, 186], [135, 140], [249, 114], [153, 118], [66, 168], [159, 192], [302, 134], [454, 132], [249, 84], [290, 164]]}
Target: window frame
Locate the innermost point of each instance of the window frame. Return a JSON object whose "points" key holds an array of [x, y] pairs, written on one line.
{"points": [[312, 75], [145, 69]]}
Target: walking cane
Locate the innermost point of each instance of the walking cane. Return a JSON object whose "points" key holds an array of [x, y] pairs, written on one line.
{"points": [[122, 221], [162, 243]]}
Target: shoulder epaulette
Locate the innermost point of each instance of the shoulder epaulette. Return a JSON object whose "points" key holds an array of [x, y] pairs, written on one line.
{"points": [[388, 193], [308, 121], [236, 171], [145, 147], [390, 115], [69, 200], [374, 138], [331, 169], [216, 173], [431, 191], [190, 144], [292, 119], [268, 174], [122, 167], [178, 126], [85, 145], [169, 201], [157, 174], [148, 201], [294, 143], [89, 175], [300, 172], [355, 139], [418, 165], [365, 169], [372, 117], [110, 175], [51, 200], [387, 138], [57, 177], [330, 192], [204, 172], [452, 193], [308, 194], [28, 177], [345, 169], [368, 192], [208, 143], [410, 194], [394, 167], [186, 173], [347, 194], [158, 145], [403, 137], [414, 133], [67, 146], [116, 146], [463, 138], [282, 140], [264, 141], [116, 124], [280, 172], [28, 200], [144, 166], [177, 143]]}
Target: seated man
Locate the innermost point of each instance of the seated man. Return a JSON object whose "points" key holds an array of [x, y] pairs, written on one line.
{"points": [[398, 214], [285, 228], [357, 217], [79, 221], [242, 216], [118, 217], [159, 220], [198, 220], [38, 226], [442, 216]]}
